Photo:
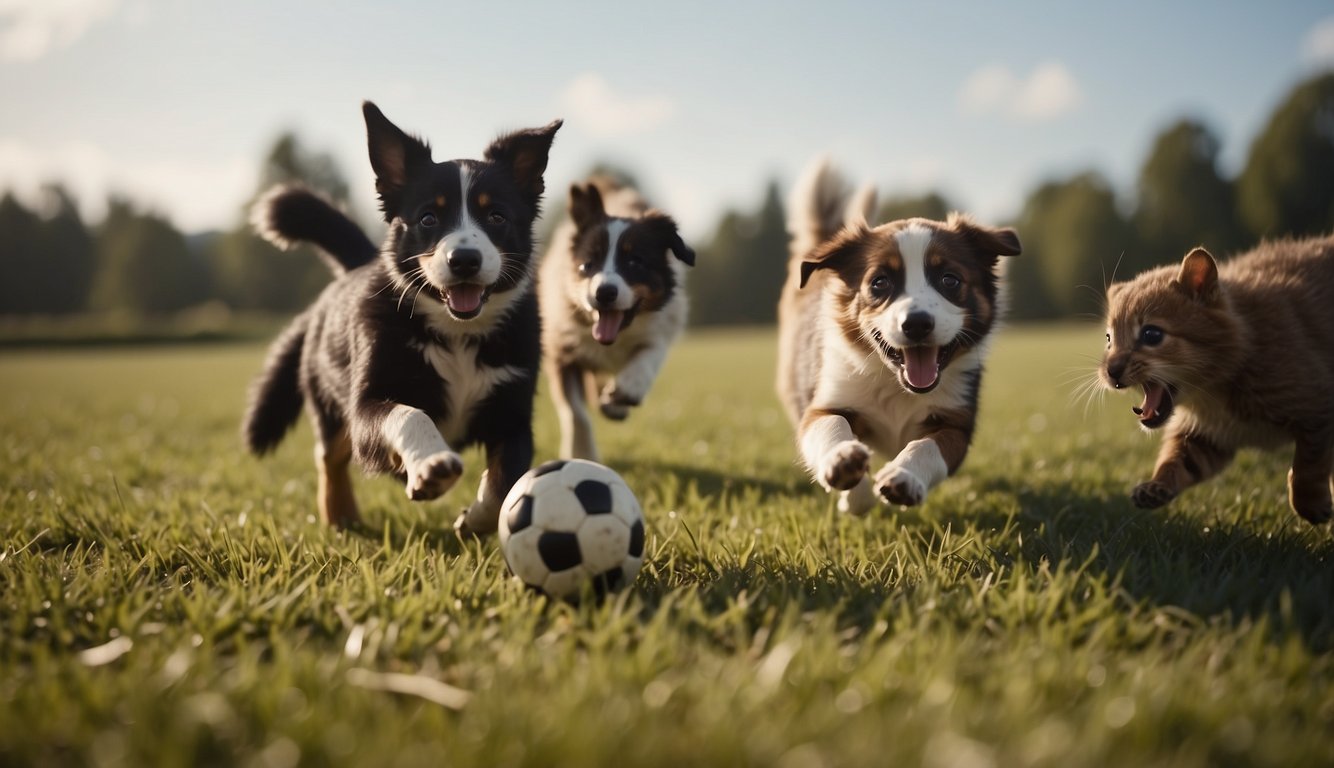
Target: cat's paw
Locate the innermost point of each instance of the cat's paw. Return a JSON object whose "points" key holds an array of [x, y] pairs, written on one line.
{"points": [[1152, 495], [431, 477], [896, 485], [845, 465]]}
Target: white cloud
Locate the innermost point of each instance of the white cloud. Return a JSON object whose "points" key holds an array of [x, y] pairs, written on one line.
{"points": [[1048, 92], [589, 100], [195, 195], [1318, 47], [30, 29]]}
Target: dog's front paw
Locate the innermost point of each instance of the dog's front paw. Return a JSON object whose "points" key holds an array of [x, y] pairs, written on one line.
{"points": [[845, 465], [1152, 495], [897, 485], [431, 477], [471, 524], [615, 411], [619, 396]]}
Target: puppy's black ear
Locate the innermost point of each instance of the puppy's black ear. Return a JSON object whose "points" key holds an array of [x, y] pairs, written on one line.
{"points": [[586, 205], [682, 251], [525, 154], [831, 254], [394, 156], [990, 241]]}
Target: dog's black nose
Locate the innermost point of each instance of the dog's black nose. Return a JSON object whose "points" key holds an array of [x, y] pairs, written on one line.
{"points": [[605, 294], [465, 262], [917, 325]]}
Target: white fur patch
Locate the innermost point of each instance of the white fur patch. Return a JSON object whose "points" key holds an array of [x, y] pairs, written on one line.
{"points": [[918, 294], [922, 459], [610, 274], [466, 384], [412, 434], [466, 234]]}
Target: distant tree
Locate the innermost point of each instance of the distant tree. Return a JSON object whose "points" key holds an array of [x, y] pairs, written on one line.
{"points": [[1183, 200], [931, 205], [740, 271], [70, 260], [1287, 186], [145, 266], [20, 249], [1074, 236], [248, 271]]}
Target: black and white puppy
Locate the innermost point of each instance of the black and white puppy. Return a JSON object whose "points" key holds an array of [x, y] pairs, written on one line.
{"points": [[425, 346], [883, 332], [612, 291]]}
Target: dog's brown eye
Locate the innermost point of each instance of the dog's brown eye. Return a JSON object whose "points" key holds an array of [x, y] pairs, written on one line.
{"points": [[950, 281], [428, 220], [495, 217], [587, 269], [880, 285]]}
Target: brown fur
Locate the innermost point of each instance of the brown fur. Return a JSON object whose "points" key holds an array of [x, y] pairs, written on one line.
{"points": [[1247, 356]]}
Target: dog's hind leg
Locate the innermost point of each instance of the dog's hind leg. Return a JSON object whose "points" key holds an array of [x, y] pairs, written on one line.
{"points": [[333, 454], [506, 462], [576, 428]]}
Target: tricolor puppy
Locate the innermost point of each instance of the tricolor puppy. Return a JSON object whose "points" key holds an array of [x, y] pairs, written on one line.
{"points": [[425, 345], [613, 300], [882, 336]]}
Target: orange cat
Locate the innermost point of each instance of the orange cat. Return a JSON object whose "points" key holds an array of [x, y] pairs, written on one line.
{"points": [[1230, 357]]}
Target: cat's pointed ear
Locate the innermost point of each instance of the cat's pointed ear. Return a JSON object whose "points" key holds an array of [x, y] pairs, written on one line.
{"points": [[1199, 276]]}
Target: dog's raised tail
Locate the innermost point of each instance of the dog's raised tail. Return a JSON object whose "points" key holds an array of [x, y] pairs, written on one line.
{"points": [[274, 404], [290, 214], [819, 206]]}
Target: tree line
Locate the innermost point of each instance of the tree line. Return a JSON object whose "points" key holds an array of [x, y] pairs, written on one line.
{"points": [[1077, 232]]}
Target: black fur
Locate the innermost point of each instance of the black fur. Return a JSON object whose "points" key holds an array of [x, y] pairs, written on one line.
{"points": [[366, 346]]}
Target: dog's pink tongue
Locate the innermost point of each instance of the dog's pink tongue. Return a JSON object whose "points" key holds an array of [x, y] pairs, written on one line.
{"points": [[608, 324], [464, 297], [920, 365]]}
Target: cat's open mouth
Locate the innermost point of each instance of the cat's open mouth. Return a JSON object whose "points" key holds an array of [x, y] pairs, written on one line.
{"points": [[1157, 405]]}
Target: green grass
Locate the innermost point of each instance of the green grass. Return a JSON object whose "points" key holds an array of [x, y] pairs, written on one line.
{"points": [[1026, 615]]}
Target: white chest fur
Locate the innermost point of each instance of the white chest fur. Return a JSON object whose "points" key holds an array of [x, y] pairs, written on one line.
{"points": [[466, 384]]}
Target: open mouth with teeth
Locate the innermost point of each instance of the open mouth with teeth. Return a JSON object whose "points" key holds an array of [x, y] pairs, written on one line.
{"points": [[465, 300], [1157, 405], [919, 366]]}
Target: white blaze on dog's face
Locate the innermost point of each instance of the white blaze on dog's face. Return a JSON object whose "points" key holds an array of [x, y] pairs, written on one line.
{"points": [[465, 261], [916, 292], [623, 266]]}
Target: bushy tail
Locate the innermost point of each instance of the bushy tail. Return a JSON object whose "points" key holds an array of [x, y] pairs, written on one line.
{"points": [[822, 203], [287, 215], [275, 395]]}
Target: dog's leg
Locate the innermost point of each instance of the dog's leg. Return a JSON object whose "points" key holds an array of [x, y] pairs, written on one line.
{"points": [[431, 466], [918, 468], [631, 385], [857, 500], [831, 450], [1183, 461], [333, 453], [576, 428], [506, 462], [1308, 480]]}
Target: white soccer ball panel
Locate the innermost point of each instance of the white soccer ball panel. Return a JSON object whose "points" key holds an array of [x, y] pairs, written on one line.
{"points": [[576, 471], [556, 508], [604, 541], [523, 558], [624, 505], [565, 583]]}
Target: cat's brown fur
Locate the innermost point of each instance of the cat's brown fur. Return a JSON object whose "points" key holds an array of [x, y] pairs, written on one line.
{"points": [[1245, 357]]}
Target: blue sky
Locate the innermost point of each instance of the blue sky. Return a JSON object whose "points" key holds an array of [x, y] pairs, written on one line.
{"points": [[175, 101]]}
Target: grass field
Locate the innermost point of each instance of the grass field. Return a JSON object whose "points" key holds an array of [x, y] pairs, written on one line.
{"points": [[166, 599]]}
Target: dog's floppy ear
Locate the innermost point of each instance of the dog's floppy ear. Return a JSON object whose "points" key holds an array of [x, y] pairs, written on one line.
{"points": [[586, 205], [1199, 276], [680, 249], [525, 154], [991, 241], [665, 226], [394, 155], [831, 254]]}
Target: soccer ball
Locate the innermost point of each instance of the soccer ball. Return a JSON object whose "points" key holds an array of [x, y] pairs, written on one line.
{"points": [[567, 523]]}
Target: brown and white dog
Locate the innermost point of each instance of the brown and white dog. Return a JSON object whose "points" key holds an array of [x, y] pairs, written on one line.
{"points": [[612, 294], [883, 332]]}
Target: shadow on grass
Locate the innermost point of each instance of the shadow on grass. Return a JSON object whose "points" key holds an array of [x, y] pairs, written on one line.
{"points": [[1229, 571], [711, 483]]}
